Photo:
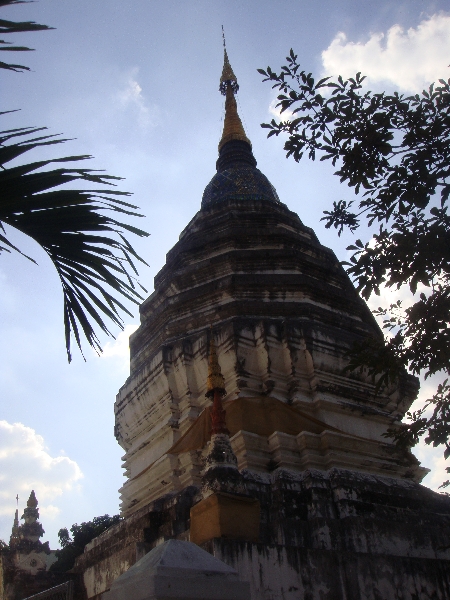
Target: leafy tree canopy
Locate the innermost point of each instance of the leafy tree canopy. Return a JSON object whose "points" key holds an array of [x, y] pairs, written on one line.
{"points": [[394, 152], [71, 547], [77, 228]]}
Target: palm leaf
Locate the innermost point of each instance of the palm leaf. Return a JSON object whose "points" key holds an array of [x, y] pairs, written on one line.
{"points": [[7, 27], [77, 230]]}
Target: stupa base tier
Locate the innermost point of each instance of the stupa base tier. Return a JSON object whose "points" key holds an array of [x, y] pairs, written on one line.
{"points": [[261, 454], [286, 573], [351, 535]]}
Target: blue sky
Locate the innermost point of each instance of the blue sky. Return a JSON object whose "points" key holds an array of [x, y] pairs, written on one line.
{"points": [[135, 83]]}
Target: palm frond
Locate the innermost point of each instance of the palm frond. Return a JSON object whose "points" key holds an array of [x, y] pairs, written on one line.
{"points": [[7, 27], [76, 228]]}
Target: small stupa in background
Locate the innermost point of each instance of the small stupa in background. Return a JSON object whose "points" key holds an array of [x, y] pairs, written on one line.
{"points": [[15, 535], [25, 563], [32, 555]]}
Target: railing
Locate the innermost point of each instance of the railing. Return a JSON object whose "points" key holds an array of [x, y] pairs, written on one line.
{"points": [[59, 592]]}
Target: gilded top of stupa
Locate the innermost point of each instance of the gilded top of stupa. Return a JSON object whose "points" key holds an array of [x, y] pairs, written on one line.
{"points": [[232, 126], [228, 78], [237, 176]]}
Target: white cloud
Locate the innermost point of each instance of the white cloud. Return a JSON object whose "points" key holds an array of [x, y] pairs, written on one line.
{"points": [[433, 458], [430, 457], [49, 512], [25, 464], [121, 345], [275, 111], [391, 295], [388, 296], [131, 96], [108, 112], [407, 59]]}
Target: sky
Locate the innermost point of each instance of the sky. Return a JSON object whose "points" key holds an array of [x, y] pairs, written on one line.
{"points": [[134, 83]]}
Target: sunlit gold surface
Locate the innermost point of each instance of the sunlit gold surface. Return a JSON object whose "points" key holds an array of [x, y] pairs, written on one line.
{"points": [[232, 127], [227, 71]]}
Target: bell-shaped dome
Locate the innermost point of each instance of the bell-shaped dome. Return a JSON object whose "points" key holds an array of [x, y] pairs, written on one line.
{"points": [[237, 177]]}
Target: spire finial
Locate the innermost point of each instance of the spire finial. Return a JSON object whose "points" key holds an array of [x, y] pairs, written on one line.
{"points": [[232, 127], [228, 78], [32, 500], [15, 531]]}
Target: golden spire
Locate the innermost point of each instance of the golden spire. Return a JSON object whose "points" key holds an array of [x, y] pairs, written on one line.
{"points": [[228, 75], [232, 127], [215, 381]]}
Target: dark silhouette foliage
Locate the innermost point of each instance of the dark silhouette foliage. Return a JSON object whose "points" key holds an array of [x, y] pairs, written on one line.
{"points": [[78, 228], [16, 27], [82, 534], [394, 153]]}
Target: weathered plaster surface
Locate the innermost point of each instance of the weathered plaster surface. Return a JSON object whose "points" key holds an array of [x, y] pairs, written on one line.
{"points": [[342, 514], [284, 314], [340, 533], [287, 573]]}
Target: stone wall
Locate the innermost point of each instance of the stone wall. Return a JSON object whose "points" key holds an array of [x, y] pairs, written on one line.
{"points": [[325, 535], [121, 546], [287, 573]]}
